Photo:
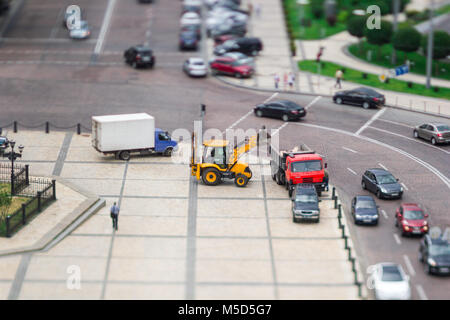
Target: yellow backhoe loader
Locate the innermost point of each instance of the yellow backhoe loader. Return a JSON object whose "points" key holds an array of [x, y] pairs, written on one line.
{"points": [[220, 161]]}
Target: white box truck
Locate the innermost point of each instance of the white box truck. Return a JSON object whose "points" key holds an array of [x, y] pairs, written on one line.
{"points": [[124, 134]]}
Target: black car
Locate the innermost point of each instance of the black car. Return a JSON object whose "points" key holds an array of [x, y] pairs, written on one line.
{"points": [[282, 109], [305, 203], [435, 254], [139, 56], [365, 97], [364, 210], [248, 46], [382, 183], [188, 40]]}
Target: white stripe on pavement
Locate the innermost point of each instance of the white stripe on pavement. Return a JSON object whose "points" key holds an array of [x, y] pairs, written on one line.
{"points": [[421, 292], [409, 266], [312, 102], [280, 128], [352, 171], [348, 149], [368, 123], [381, 165], [397, 239], [404, 186], [271, 97], [384, 214], [105, 25], [397, 123]]}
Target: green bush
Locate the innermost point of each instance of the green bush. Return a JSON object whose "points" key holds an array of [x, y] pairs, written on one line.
{"points": [[407, 39], [317, 8], [356, 26], [441, 47], [343, 16]]}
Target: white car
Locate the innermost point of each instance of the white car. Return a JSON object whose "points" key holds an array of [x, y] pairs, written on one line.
{"points": [[190, 18], [218, 17], [195, 67], [82, 32], [390, 282]]}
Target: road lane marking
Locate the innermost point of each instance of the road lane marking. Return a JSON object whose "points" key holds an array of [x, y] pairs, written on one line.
{"points": [[271, 97], [404, 186], [384, 214], [381, 165], [426, 165], [408, 138], [105, 25], [313, 102], [368, 123], [397, 239], [280, 128], [409, 266], [397, 123], [421, 292], [352, 171], [348, 149]]}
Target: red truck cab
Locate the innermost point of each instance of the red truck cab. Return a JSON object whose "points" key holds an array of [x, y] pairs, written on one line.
{"points": [[294, 167]]}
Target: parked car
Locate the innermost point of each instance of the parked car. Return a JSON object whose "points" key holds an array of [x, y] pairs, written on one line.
{"points": [[364, 210], [434, 132], [221, 39], [305, 203], [390, 282], [83, 32], [192, 6], [231, 67], [196, 28], [241, 58], [434, 253], [411, 219], [365, 97], [139, 56], [248, 46], [188, 40], [382, 183], [238, 29], [224, 16], [190, 18], [282, 109], [195, 67]]}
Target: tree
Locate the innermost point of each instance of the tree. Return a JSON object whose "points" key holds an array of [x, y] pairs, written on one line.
{"points": [[5, 203], [441, 46], [356, 26], [317, 8], [379, 37], [407, 39]]}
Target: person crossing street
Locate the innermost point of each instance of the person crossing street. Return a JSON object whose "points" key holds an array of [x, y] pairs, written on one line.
{"points": [[115, 216]]}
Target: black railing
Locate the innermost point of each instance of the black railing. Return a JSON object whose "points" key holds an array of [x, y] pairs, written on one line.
{"points": [[19, 179], [46, 126], [40, 193]]}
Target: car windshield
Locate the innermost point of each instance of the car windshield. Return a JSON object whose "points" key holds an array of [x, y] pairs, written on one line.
{"points": [[306, 166], [306, 198], [391, 273], [443, 128], [413, 215], [365, 204], [439, 250], [228, 44], [239, 63], [386, 179]]}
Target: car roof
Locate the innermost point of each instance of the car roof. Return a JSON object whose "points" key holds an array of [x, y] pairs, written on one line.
{"points": [[141, 47], [411, 206], [225, 59], [378, 171], [193, 60]]}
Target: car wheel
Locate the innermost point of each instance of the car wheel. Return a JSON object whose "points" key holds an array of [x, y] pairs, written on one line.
{"points": [[318, 220], [338, 100], [420, 256], [285, 118], [416, 134], [259, 113], [211, 177], [366, 105], [274, 177], [396, 222], [379, 194], [363, 185], [168, 152], [134, 65], [124, 155], [433, 141], [290, 191], [241, 180]]}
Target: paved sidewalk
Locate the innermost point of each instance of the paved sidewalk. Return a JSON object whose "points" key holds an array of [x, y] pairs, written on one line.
{"points": [[276, 59]]}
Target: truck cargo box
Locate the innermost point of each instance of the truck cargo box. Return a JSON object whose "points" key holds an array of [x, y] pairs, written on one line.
{"points": [[123, 132]]}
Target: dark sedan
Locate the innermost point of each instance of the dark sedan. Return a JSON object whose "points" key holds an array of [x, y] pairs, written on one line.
{"points": [[365, 97], [382, 183], [283, 109], [188, 40], [364, 210], [434, 253]]}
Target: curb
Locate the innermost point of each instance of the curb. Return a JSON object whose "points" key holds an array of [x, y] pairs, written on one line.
{"points": [[80, 214], [221, 79]]}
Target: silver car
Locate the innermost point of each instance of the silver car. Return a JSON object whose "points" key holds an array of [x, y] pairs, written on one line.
{"points": [[241, 58], [434, 132], [82, 32], [195, 67]]}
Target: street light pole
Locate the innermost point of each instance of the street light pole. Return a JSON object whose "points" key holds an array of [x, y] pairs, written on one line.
{"points": [[13, 156], [430, 46], [396, 4]]}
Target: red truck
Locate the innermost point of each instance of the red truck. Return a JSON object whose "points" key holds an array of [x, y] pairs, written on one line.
{"points": [[301, 165]]}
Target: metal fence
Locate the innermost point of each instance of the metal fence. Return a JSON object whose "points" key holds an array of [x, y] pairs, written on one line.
{"points": [[17, 178], [40, 192]]}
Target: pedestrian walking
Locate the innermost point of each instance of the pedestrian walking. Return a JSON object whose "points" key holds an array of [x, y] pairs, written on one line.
{"points": [[115, 216], [285, 81], [291, 79], [258, 10], [276, 79], [250, 9], [338, 75]]}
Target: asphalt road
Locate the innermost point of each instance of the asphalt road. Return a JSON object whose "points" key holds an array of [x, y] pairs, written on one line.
{"points": [[45, 76]]}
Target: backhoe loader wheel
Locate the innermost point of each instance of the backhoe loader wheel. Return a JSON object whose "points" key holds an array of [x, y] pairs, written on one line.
{"points": [[241, 180], [211, 177]]}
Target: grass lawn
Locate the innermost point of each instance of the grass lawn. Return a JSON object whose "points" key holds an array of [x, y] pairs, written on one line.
{"points": [[15, 205], [419, 61], [352, 75], [319, 27]]}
